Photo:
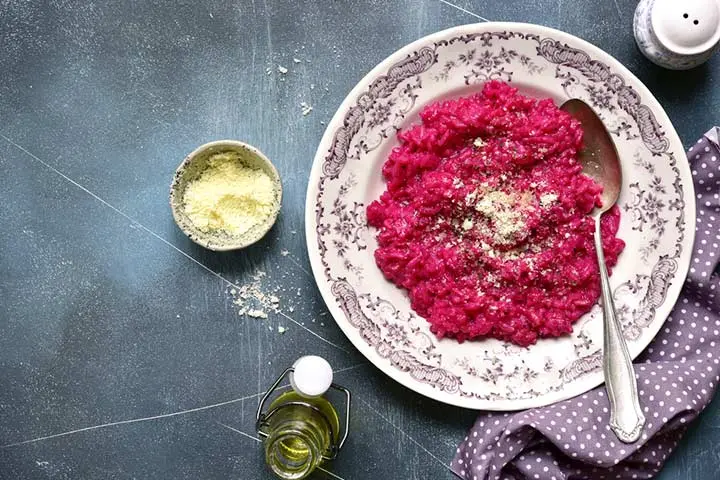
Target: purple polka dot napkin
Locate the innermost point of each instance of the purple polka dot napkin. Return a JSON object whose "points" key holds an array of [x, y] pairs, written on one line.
{"points": [[677, 376]]}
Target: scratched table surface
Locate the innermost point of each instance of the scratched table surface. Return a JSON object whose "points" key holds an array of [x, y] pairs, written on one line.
{"points": [[122, 354]]}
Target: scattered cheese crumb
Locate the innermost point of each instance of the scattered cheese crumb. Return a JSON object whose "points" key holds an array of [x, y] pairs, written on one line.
{"points": [[305, 108], [255, 299], [467, 224], [479, 142], [499, 207], [257, 313], [297, 60], [281, 329], [548, 199], [284, 253], [470, 197], [282, 69]]}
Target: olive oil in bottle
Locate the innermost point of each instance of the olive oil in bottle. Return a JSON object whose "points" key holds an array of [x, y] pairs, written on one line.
{"points": [[301, 427]]}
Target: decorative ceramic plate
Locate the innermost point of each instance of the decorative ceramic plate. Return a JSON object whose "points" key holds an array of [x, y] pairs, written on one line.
{"points": [[658, 214]]}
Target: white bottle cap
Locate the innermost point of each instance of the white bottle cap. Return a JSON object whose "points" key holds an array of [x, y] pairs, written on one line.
{"points": [[687, 27], [312, 376]]}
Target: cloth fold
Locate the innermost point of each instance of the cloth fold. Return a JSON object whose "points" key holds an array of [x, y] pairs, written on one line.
{"points": [[677, 376]]}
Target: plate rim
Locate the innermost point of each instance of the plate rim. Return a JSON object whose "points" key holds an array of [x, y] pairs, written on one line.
{"points": [[591, 381]]}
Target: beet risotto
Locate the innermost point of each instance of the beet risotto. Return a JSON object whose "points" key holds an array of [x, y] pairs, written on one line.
{"points": [[485, 219]]}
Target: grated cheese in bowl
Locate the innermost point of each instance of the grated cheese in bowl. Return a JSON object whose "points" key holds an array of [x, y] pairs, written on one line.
{"points": [[225, 195]]}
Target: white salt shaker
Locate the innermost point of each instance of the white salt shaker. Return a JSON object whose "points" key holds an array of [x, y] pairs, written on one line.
{"points": [[677, 34]]}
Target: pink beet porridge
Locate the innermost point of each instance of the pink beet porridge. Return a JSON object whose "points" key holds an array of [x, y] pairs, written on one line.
{"points": [[485, 219]]}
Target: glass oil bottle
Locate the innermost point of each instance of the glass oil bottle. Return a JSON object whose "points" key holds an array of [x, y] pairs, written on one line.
{"points": [[301, 427]]}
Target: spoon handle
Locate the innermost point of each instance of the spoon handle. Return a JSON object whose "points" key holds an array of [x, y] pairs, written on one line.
{"points": [[626, 417]]}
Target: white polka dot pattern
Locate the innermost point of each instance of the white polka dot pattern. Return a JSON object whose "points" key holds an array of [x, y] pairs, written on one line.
{"points": [[677, 376]]}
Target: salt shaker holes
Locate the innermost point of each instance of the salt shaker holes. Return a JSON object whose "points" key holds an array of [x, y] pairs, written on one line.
{"points": [[685, 15]]}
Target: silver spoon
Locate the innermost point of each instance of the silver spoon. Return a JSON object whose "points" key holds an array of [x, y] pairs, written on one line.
{"points": [[600, 161]]}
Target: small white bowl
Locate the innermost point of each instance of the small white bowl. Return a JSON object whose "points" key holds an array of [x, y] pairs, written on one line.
{"points": [[193, 166]]}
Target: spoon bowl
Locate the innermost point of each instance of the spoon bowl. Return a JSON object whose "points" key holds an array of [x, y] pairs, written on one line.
{"points": [[599, 158]]}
